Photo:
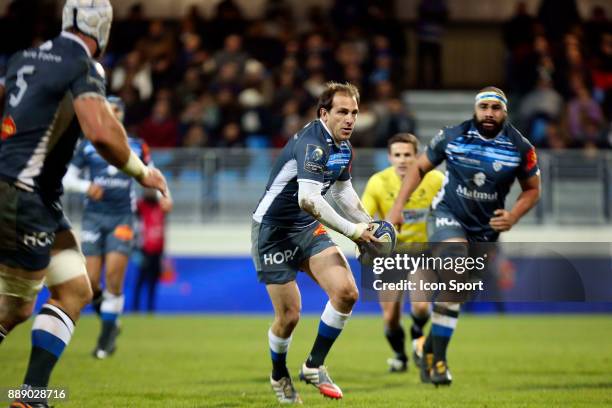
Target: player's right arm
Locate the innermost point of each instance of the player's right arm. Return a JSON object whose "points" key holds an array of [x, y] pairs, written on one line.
{"points": [[311, 201], [108, 136], [433, 156]]}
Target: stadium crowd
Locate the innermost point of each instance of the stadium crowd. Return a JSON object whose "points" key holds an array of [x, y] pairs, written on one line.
{"points": [[233, 82]]}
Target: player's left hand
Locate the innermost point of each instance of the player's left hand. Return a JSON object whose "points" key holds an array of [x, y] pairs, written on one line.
{"points": [[155, 179], [503, 220]]}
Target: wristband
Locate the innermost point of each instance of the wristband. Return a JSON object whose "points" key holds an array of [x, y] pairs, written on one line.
{"points": [[134, 167], [359, 230]]}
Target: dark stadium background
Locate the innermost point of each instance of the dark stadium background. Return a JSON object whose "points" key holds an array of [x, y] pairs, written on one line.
{"points": [[215, 86]]}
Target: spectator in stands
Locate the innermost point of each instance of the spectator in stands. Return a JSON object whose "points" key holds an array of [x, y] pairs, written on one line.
{"points": [[195, 137], [538, 108], [571, 66], [392, 116], [232, 54], [556, 137], [585, 118], [602, 74], [192, 53], [291, 121], [231, 136], [161, 128], [255, 121], [161, 46], [133, 71]]}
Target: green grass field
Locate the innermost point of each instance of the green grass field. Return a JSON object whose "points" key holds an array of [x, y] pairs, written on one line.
{"points": [[222, 361]]}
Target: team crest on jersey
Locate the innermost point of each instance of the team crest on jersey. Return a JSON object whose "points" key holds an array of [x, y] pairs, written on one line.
{"points": [[111, 170], [8, 128], [480, 179], [315, 159], [497, 166]]}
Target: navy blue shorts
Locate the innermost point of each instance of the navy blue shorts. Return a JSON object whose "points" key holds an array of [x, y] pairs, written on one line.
{"points": [[278, 252], [27, 228], [443, 225], [104, 233]]}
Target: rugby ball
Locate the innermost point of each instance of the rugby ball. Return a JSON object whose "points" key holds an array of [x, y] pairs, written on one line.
{"points": [[385, 232]]}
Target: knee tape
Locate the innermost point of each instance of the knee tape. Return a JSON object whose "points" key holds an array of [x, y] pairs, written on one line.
{"points": [[64, 266]]}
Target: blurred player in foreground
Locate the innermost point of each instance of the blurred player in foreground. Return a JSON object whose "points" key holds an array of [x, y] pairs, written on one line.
{"points": [[483, 156], [378, 198], [288, 235], [45, 88], [107, 234]]}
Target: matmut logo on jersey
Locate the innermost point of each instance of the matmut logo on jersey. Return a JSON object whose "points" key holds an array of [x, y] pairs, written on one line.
{"points": [[8, 128], [476, 195]]}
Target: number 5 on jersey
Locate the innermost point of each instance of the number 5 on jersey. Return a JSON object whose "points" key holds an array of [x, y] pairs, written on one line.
{"points": [[21, 84]]}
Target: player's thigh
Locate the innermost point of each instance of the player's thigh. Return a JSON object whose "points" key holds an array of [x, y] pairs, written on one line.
{"points": [[94, 269], [120, 238], [330, 269], [93, 235], [116, 265]]}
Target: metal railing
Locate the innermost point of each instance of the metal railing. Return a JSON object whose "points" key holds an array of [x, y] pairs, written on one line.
{"points": [[224, 185]]}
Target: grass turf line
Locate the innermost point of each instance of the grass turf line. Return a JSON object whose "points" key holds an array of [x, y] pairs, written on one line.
{"points": [[223, 361]]}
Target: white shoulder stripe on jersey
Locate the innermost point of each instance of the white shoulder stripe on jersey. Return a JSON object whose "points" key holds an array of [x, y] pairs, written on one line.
{"points": [[438, 198], [61, 120], [36, 162], [286, 173]]}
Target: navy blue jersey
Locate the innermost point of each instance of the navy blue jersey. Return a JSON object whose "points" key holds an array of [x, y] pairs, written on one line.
{"points": [[311, 154], [119, 196], [39, 128], [479, 172]]}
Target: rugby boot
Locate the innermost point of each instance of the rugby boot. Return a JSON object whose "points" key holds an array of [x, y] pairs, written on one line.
{"points": [[440, 374], [285, 391], [320, 379]]}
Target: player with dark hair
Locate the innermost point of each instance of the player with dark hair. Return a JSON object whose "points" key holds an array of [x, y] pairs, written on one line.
{"points": [[107, 231], [378, 198], [483, 157], [288, 235], [46, 87]]}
